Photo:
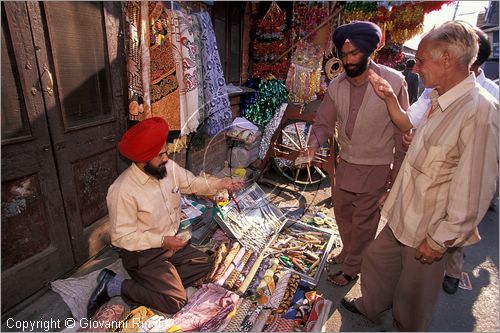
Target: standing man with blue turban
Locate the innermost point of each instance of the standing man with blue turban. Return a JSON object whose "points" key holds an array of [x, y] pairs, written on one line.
{"points": [[369, 142]]}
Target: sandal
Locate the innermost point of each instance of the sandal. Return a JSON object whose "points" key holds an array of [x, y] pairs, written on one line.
{"points": [[334, 279]]}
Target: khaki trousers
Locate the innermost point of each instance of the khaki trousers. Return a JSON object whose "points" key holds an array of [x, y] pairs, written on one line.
{"points": [[158, 279], [455, 262], [357, 216], [392, 277]]}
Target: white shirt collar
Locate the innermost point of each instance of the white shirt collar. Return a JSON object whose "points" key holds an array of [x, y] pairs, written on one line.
{"points": [[457, 91]]}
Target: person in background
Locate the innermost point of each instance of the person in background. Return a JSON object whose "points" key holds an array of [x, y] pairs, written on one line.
{"points": [[412, 81], [368, 140], [144, 212], [443, 190], [412, 119]]}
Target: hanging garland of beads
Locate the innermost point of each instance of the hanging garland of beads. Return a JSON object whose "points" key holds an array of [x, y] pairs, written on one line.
{"points": [[399, 23], [270, 43], [307, 16], [403, 21], [271, 94]]}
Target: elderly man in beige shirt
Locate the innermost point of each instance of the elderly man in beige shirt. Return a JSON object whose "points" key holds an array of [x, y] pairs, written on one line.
{"points": [[144, 212], [443, 189]]}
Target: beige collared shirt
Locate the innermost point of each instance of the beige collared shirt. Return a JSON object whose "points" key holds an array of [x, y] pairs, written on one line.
{"points": [[448, 177], [143, 209]]}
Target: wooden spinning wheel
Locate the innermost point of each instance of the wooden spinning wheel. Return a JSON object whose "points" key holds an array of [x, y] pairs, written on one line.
{"points": [[290, 138]]}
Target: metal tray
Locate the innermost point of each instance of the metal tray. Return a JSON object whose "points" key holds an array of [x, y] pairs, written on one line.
{"points": [[299, 229], [251, 218]]}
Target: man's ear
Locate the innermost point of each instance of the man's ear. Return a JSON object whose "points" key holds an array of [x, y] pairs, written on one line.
{"points": [[447, 59]]}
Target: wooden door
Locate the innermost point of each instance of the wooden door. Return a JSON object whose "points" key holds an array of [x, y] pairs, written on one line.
{"points": [[63, 111], [81, 45], [35, 242]]}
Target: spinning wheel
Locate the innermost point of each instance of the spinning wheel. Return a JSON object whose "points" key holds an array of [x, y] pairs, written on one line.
{"points": [[290, 138]]}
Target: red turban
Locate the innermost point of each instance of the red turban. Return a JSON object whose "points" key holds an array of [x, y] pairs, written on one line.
{"points": [[143, 141]]}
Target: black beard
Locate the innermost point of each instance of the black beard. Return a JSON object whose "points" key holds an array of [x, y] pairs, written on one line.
{"points": [[158, 173], [358, 69]]}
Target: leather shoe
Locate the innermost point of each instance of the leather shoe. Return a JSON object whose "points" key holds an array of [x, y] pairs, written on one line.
{"points": [[450, 284], [349, 304], [100, 294]]}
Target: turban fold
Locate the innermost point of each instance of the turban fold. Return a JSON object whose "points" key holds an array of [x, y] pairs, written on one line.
{"points": [[143, 141], [364, 35]]}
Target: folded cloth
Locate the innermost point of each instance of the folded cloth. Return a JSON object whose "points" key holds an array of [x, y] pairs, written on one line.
{"points": [[235, 323], [279, 291], [243, 123]]}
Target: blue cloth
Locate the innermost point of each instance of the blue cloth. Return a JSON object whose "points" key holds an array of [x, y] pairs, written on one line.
{"points": [[364, 35], [217, 109]]}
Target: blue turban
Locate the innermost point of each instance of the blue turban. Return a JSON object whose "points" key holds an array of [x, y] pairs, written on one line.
{"points": [[364, 35]]}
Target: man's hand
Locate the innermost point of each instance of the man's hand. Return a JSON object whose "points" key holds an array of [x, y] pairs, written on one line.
{"points": [[305, 156], [407, 139], [381, 87], [426, 254], [172, 243], [231, 184]]}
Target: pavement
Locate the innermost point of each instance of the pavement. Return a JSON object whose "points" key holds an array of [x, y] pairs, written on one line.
{"points": [[465, 311]]}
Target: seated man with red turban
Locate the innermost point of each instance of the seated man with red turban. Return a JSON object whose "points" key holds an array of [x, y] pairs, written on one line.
{"points": [[144, 212]]}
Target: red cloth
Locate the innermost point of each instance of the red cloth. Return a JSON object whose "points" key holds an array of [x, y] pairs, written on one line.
{"points": [[143, 141]]}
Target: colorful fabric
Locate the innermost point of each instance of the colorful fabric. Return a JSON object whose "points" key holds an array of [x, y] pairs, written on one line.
{"points": [[229, 283], [279, 291], [296, 303], [316, 312], [258, 276], [165, 96], [230, 316], [232, 266], [279, 324], [250, 319], [143, 141], [245, 271], [291, 288], [240, 315], [218, 258], [199, 66], [235, 247], [266, 287], [206, 309], [217, 109], [261, 320]]}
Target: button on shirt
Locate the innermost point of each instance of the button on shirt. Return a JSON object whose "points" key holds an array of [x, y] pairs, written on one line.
{"points": [[448, 177], [143, 209]]}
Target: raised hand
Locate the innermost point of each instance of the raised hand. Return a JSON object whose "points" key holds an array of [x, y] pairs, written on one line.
{"points": [[381, 87]]}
